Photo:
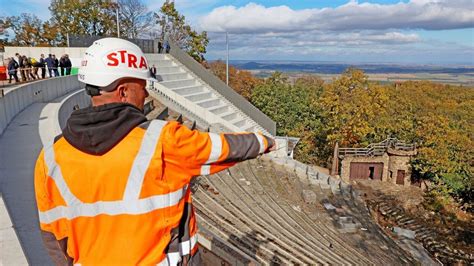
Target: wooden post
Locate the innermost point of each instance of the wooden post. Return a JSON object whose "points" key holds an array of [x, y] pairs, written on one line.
{"points": [[335, 160]]}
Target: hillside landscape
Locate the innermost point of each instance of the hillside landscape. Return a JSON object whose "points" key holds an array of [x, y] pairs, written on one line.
{"points": [[383, 72], [354, 111]]}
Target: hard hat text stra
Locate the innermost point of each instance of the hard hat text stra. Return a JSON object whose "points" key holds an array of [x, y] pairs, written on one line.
{"points": [[126, 59]]}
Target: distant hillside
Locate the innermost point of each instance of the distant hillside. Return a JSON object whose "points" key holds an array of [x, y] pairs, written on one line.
{"points": [[338, 68]]}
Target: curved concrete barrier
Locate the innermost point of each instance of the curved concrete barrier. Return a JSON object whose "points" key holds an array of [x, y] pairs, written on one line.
{"points": [[43, 91], [77, 100]]}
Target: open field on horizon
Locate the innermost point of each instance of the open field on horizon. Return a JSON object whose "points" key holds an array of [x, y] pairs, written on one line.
{"points": [[444, 78]]}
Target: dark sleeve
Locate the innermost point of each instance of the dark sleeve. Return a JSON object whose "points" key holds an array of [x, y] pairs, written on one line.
{"points": [[56, 249], [246, 146]]}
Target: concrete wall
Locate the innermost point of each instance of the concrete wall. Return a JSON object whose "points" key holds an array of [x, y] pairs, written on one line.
{"points": [[399, 163], [16, 100]]}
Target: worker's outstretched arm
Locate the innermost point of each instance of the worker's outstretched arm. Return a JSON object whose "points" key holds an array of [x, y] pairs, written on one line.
{"points": [[203, 153]]}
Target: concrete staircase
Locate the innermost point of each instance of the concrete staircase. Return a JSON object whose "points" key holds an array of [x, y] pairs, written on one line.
{"points": [[175, 77]]}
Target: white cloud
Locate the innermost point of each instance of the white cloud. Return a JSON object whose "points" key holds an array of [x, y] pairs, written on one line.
{"points": [[416, 14], [363, 39]]}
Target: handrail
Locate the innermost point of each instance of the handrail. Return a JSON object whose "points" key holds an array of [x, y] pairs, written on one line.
{"points": [[236, 99], [377, 149]]}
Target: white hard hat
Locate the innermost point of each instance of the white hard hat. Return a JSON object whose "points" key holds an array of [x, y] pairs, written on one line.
{"points": [[110, 59]]}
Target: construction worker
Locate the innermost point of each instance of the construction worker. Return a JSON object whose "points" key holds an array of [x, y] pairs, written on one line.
{"points": [[113, 188]]}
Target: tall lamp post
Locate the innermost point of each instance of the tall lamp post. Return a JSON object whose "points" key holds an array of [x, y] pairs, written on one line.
{"points": [[227, 59], [117, 6]]}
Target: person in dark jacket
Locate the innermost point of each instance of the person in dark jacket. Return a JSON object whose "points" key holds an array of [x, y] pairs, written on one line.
{"points": [[49, 64], [160, 47], [21, 67], [61, 65], [55, 65], [12, 69], [67, 65], [42, 66], [153, 72]]}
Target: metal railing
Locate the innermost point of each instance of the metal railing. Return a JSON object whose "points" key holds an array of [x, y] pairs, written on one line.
{"points": [[228, 93], [377, 149]]}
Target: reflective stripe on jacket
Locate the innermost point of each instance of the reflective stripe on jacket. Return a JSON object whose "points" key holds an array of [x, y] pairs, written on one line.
{"points": [[122, 207]]}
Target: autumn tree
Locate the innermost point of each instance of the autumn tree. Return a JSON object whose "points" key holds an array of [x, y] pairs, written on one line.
{"points": [[440, 120], [174, 27], [31, 31], [83, 17], [241, 81], [350, 104]]}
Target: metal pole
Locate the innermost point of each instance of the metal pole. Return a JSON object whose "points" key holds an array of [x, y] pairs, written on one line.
{"points": [[227, 60], [118, 25], [67, 38]]}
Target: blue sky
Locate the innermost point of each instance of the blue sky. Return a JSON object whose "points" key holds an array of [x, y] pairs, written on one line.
{"points": [[409, 31]]}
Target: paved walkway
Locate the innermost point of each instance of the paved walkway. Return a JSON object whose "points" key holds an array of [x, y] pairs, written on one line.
{"points": [[20, 145], [10, 249]]}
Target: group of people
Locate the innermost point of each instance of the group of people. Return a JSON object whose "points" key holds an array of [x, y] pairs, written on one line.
{"points": [[164, 47], [23, 68]]}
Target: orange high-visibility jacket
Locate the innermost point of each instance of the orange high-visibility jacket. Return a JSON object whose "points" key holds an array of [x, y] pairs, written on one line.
{"points": [[123, 206]]}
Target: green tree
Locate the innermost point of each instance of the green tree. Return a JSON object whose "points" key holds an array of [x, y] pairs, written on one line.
{"points": [[294, 109], [174, 27], [83, 17]]}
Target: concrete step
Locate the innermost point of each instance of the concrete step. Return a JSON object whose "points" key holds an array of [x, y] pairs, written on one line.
{"points": [[240, 122], [156, 57], [174, 76], [229, 117], [168, 69], [161, 63], [250, 129], [174, 84], [222, 108], [196, 97], [188, 90], [208, 103]]}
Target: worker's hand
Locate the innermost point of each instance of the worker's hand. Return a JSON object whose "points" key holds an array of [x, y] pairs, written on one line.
{"points": [[272, 146]]}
